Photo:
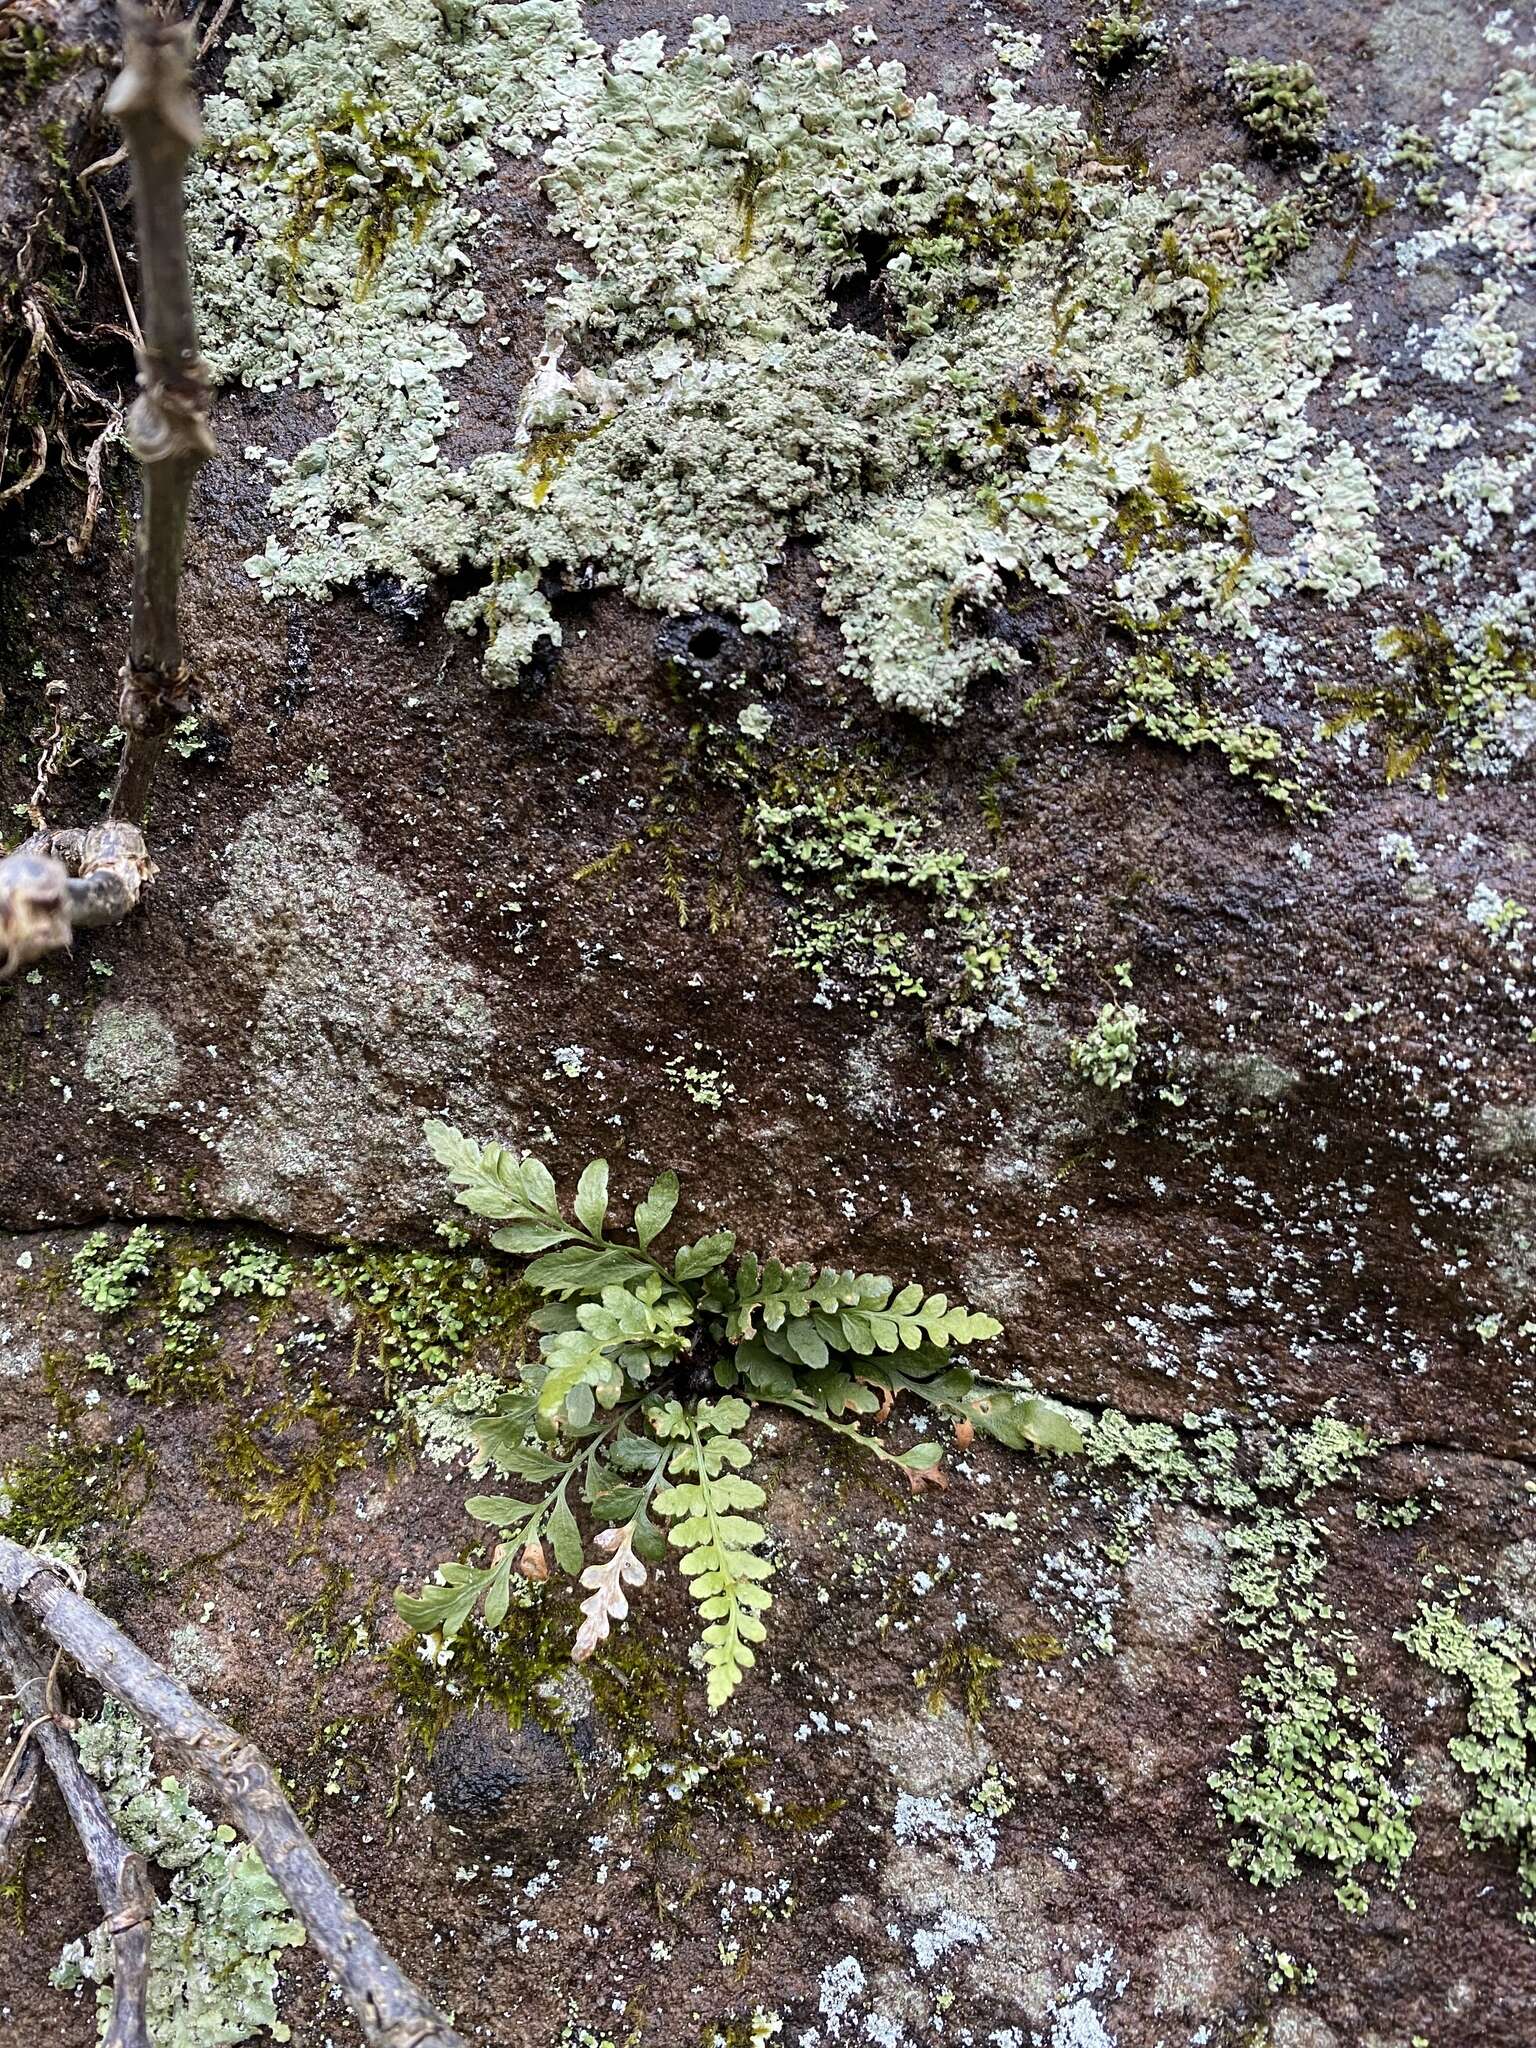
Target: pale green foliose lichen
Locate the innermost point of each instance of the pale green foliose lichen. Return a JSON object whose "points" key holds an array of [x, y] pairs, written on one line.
{"points": [[1048, 331], [220, 1922], [1106, 1053], [1494, 1659], [1312, 1778]]}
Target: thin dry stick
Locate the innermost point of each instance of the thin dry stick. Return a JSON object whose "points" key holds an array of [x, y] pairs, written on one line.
{"points": [[390, 2010], [168, 431], [58, 883], [19, 1785], [121, 1877]]}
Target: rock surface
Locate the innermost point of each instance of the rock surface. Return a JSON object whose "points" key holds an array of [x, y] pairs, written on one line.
{"points": [[967, 1794]]}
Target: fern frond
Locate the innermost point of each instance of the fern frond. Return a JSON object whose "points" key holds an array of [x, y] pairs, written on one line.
{"points": [[709, 1508]]}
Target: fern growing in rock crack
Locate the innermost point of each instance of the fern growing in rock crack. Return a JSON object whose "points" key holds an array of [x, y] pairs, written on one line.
{"points": [[648, 1371]]}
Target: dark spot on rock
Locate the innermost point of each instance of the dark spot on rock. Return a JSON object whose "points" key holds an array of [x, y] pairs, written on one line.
{"points": [[859, 299], [529, 1783], [392, 600]]}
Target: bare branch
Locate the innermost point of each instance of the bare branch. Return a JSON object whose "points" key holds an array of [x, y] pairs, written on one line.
{"points": [[390, 2010], [57, 883], [121, 1878], [167, 429]]}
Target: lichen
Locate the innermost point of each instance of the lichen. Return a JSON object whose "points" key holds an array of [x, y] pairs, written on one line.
{"points": [[1168, 694], [850, 866], [1281, 105], [1312, 1778], [721, 406], [1107, 1052], [1494, 1659], [220, 1922], [1123, 35]]}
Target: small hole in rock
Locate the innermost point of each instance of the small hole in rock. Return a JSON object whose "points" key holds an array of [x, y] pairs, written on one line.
{"points": [[706, 643]]}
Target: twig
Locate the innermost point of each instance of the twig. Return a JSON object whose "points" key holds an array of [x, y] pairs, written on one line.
{"points": [[19, 1783], [389, 2009], [58, 883], [122, 1878], [167, 430]]}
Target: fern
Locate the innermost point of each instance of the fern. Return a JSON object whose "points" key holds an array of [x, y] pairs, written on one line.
{"points": [[613, 1411], [706, 1506]]}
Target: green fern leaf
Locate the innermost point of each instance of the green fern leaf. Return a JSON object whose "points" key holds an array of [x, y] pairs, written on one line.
{"points": [[709, 1508]]}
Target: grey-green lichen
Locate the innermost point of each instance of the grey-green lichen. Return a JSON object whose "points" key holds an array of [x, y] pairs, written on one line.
{"points": [[1049, 328], [853, 873], [1281, 105], [1111, 42], [220, 1922], [1172, 693]]}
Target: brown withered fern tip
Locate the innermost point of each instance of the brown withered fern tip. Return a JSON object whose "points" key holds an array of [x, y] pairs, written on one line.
{"points": [[391, 2012], [57, 883]]}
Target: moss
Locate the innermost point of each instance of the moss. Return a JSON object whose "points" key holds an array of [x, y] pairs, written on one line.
{"points": [[63, 1486], [1440, 699], [248, 1465], [961, 1675], [426, 1315], [365, 166], [31, 59], [521, 1670], [1281, 105], [65, 1482]]}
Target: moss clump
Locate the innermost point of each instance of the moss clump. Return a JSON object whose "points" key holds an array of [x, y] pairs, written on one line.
{"points": [[367, 168], [522, 1669], [1122, 36], [1441, 699], [426, 1315], [299, 1489], [62, 1486], [961, 1675], [1281, 105], [1496, 1661], [30, 59]]}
